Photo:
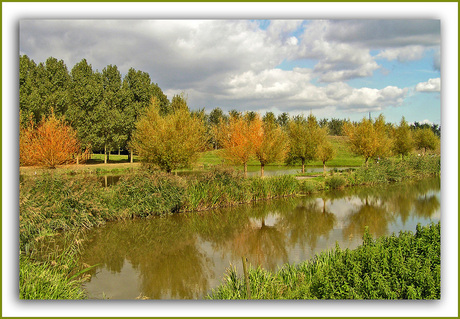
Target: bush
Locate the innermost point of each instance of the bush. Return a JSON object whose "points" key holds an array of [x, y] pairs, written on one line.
{"points": [[335, 182], [394, 267], [145, 194], [52, 143]]}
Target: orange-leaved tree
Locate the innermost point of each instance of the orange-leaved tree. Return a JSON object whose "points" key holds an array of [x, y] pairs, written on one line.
{"points": [[49, 144], [240, 137], [273, 145]]}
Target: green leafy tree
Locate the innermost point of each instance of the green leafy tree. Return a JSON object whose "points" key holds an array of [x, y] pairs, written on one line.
{"points": [[402, 137], [168, 142], [86, 93], [303, 139], [283, 119], [425, 139], [109, 129], [43, 89], [137, 85], [269, 117], [178, 102]]}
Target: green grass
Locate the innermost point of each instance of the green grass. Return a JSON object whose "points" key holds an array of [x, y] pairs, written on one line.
{"points": [[113, 158], [54, 273], [344, 158], [407, 266]]}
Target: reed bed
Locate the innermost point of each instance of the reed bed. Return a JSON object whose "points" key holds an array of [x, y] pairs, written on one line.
{"points": [[406, 266]]}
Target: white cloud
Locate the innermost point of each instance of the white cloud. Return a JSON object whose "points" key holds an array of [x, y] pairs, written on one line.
{"points": [[404, 54], [232, 64], [432, 85], [367, 99], [337, 61]]}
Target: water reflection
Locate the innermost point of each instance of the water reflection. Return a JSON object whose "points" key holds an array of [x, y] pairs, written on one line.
{"points": [[184, 256]]}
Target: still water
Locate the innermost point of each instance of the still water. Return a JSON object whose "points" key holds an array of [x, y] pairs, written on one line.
{"points": [[184, 256]]}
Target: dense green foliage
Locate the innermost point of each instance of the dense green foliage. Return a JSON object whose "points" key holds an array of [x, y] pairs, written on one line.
{"points": [[407, 266], [101, 106]]}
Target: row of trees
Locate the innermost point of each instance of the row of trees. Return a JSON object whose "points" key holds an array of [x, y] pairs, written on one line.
{"points": [[102, 107], [174, 140], [107, 112]]}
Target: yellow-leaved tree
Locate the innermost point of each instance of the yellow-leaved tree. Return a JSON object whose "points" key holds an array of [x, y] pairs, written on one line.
{"points": [[403, 140], [369, 139], [324, 151], [304, 138], [169, 142]]}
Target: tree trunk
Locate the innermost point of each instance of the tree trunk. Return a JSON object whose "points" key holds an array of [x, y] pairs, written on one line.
{"points": [[105, 154], [118, 151], [262, 170], [245, 169], [303, 166], [367, 159], [131, 156], [324, 168]]}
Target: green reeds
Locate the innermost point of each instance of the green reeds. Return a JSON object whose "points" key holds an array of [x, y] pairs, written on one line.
{"points": [[392, 267]]}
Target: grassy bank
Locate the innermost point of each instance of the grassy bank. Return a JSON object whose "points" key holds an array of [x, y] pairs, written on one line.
{"points": [[54, 202], [407, 266]]}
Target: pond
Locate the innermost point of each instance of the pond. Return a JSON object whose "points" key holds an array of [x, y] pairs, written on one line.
{"points": [[184, 256]]}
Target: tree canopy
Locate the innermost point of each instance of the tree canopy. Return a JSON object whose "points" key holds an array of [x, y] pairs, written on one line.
{"points": [[368, 138], [168, 142]]}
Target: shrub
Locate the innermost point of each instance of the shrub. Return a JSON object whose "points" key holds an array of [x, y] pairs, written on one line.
{"points": [[52, 143], [145, 194], [394, 267], [335, 182]]}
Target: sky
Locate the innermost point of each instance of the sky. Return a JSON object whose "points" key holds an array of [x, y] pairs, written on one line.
{"points": [[331, 68]]}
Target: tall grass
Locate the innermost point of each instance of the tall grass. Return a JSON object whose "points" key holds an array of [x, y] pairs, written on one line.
{"points": [[53, 273], [394, 267]]}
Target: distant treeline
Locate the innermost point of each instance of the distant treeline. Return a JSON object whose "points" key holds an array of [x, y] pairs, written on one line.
{"points": [[103, 107]]}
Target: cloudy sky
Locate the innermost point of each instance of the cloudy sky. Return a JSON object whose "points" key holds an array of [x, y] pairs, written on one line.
{"points": [[333, 68]]}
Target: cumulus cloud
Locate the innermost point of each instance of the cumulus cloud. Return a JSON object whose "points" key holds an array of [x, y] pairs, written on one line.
{"points": [[337, 61], [432, 85], [234, 64], [403, 54]]}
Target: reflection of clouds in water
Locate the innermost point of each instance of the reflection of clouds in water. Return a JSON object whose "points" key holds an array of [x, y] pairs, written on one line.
{"points": [[193, 251], [114, 285]]}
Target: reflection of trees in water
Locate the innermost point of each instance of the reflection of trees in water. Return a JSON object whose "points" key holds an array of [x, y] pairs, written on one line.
{"points": [[370, 214], [426, 206], [382, 205], [166, 253], [307, 222], [163, 250]]}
